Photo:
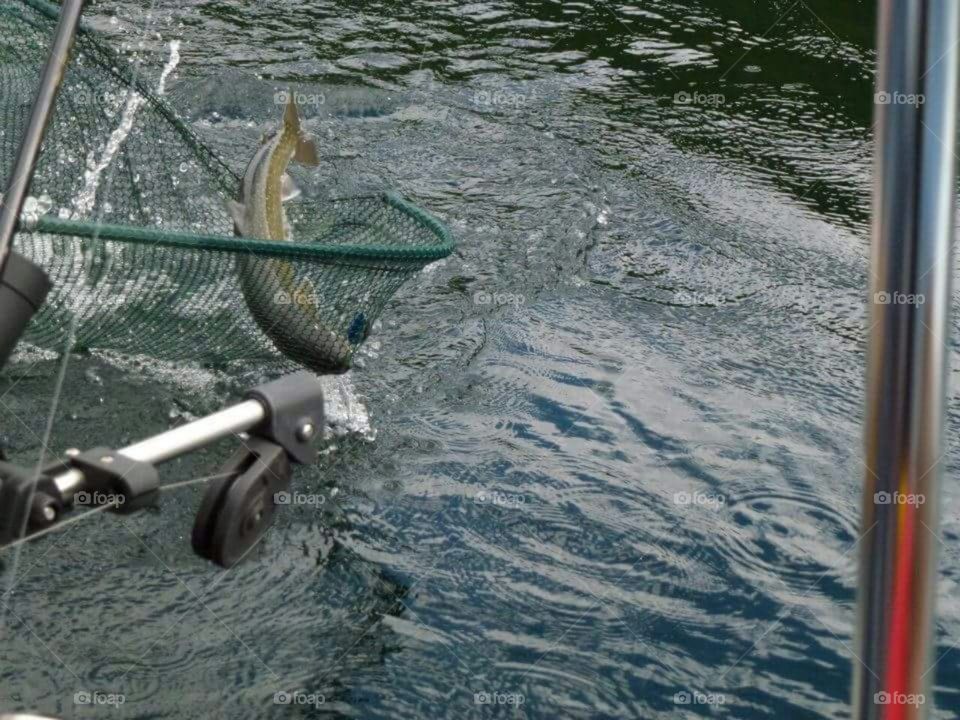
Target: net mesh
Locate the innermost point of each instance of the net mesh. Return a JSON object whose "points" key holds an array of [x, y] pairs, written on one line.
{"points": [[128, 217]]}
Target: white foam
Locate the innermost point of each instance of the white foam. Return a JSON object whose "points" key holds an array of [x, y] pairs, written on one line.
{"points": [[346, 414], [345, 411], [85, 199], [172, 63]]}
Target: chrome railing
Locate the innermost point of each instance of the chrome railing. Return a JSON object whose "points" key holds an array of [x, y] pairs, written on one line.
{"points": [[907, 356]]}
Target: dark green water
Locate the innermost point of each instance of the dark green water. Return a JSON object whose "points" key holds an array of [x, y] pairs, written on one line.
{"points": [[617, 449]]}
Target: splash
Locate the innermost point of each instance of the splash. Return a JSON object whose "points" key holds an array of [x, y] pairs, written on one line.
{"points": [[172, 63], [84, 201], [345, 412]]}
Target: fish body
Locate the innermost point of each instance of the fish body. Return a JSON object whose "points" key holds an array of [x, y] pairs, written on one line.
{"points": [[285, 309]]}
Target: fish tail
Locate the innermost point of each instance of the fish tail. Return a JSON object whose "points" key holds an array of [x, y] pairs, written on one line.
{"points": [[291, 115], [306, 150]]}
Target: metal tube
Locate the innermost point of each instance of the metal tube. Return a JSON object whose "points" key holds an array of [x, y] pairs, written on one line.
{"points": [[197, 434], [22, 174], [178, 441], [907, 356]]}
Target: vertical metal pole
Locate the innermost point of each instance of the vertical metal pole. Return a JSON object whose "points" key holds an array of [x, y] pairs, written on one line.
{"points": [[23, 285], [908, 343], [22, 173]]}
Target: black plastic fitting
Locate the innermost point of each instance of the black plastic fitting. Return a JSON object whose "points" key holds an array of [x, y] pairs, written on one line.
{"points": [[132, 484], [20, 493], [23, 288], [294, 421]]}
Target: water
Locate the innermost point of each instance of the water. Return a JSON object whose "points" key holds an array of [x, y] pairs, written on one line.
{"points": [[604, 459]]}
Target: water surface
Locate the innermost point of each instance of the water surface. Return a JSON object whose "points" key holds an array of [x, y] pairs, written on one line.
{"points": [[603, 460]]}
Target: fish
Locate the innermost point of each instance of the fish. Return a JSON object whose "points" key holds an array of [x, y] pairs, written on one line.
{"points": [[286, 310]]}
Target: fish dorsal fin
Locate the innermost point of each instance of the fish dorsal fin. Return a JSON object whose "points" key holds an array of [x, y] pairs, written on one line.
{"points": [[288, 188], [306, 152]]}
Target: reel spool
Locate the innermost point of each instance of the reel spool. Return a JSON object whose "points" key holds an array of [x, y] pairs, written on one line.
{"points": [[238, 509]]}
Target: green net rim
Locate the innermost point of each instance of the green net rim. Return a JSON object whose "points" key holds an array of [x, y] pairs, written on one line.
{"points": [[301, 250], [192, 241]]}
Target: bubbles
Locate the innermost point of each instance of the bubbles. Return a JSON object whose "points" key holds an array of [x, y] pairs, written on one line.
{"points": [[36, 207], [179, 415]]}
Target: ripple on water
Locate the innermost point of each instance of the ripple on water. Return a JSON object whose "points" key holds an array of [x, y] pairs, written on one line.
{"points": [[794, 541], [137, 683]]}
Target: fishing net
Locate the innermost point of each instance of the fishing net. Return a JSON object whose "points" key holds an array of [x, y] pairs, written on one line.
{"points": [[128, 217]]}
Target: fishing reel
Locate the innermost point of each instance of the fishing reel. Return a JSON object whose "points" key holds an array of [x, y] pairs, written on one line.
{"points": [[278, 424]]}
